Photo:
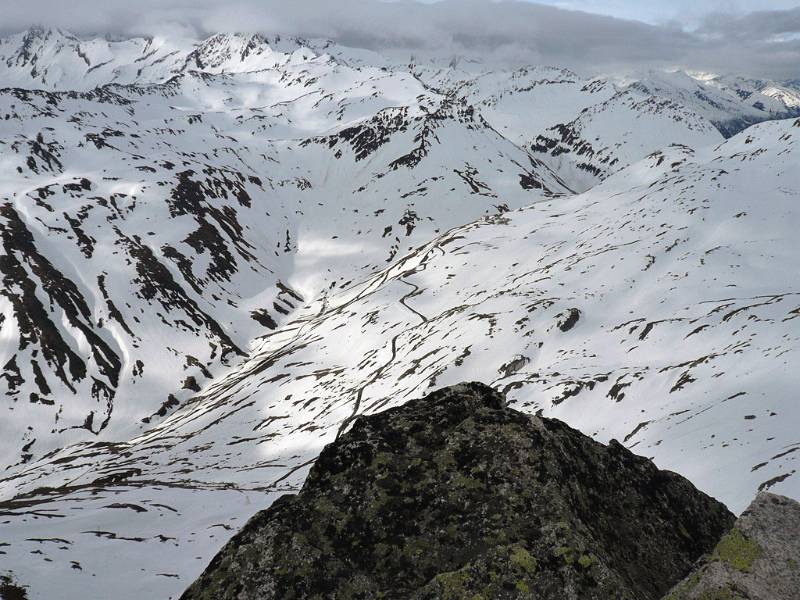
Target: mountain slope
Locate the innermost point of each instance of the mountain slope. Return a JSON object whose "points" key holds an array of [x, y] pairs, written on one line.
{"points": [[657, 309], [224, 203], [730, 103], [285, 168], [584, 128], [212, 266], [588, 129]]}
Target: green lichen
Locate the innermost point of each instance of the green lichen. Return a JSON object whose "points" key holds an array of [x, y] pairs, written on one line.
{"points": [[381, 460], [454, 584], [445, 461], [522, 560], [565, 552], [587, 560], [737, 551], [726, 593], [413, 549], [497, 538], [452, 532], [468, 483], [523, 587]]}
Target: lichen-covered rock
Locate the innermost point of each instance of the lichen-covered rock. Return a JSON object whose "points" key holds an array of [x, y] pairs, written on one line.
{"points": [[457, 496], [759, 559]]}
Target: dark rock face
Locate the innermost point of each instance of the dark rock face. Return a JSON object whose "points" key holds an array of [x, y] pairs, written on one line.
{"points": [[759, 559], [10, 590], [457, 496]]}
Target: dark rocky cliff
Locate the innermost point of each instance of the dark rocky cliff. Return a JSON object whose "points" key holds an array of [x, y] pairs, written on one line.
{"points": [[457, 496]]}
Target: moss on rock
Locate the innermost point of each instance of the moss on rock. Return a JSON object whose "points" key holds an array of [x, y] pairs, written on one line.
{"points": [[522, 560], [738, 551]]}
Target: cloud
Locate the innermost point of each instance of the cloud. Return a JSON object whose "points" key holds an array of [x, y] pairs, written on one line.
{"points": [[764, 24], [763, 44]]}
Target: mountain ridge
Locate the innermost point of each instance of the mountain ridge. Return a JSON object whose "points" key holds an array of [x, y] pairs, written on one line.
{"points": [[454, 496], [209, 277]]}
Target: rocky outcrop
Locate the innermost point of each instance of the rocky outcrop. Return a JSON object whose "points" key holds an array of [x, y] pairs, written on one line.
{"points": [[457, 496], [759, 559], [9, 590]]}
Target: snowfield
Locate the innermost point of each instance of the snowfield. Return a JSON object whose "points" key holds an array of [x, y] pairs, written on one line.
{"points": [[216, 255]]}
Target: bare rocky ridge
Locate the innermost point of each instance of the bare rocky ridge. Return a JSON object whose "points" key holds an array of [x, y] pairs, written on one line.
{"points": [[759, 559], [458, 496]]}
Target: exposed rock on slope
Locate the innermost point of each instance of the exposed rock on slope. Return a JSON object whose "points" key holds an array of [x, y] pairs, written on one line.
{"points": [[168, 202], [757, 560], [9, 590], [148, 234], [457, 496], [685, 349]]}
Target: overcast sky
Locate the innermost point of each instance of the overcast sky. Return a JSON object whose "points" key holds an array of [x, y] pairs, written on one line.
{"points": [[687, 12], [758, 38]]}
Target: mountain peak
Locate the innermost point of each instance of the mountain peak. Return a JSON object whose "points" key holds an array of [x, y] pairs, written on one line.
{"points": [[455, 495]]}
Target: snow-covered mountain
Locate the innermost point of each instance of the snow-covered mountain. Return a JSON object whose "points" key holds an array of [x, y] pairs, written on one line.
{"points": [[730, 103], [588, 129], [150, 232], [215, 254]]}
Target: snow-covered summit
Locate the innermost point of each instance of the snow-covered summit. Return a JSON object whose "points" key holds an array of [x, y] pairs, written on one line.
{"points": [[730, 103]]}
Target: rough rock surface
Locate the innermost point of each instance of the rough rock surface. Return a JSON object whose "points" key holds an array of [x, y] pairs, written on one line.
{"points": [[759, 559], [457, 496]]}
